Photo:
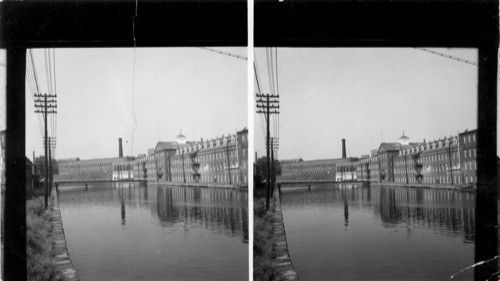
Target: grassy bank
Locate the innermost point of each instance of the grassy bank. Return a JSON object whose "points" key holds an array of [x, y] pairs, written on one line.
{"points": [[263, 268], [38, 245]]}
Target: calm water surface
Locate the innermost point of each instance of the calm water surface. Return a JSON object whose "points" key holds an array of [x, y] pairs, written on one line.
{"points": [[132, 232], [350, 232]]}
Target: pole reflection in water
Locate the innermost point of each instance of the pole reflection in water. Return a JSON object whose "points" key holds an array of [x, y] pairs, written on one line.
{"points": [[346, 209], [122, 201], [385, 233], [174, 232]]}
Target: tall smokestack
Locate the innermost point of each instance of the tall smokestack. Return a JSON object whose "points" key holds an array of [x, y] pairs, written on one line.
{"points": [[343, 149], [120, 149]]}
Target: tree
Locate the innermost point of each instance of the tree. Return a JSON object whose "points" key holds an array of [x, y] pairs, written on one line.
{"points": [[261, 167], [40, 166]]}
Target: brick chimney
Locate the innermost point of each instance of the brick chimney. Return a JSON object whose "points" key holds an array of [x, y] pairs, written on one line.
{"points": [[343, 149], [120, 149]]}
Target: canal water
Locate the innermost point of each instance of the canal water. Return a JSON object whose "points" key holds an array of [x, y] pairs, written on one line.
{"points": [[133, 232], [350, 232]]}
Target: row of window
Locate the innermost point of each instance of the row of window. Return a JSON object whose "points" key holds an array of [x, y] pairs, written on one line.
{"points": [[468, 165], [440, 179], [468, 152], [440, 157], [469, 138], [207, 157], [211, 179], [220, 166]]}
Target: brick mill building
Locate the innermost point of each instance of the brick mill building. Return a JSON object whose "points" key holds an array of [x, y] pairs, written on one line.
{"points": [[223, 160], [446, 161]]}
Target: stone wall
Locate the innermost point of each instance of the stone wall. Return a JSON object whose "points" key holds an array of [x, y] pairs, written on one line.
{"points": [[282, 261], [61, 255]]}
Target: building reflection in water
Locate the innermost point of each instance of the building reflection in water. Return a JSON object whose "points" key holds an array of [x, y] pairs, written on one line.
{"points": [[221, 210], [441, 210]]}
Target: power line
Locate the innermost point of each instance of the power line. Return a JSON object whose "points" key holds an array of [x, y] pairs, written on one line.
{"points": [[448, 56], [55, 84], [259, 91], [33, 86], [225, 53], [278, 93]]}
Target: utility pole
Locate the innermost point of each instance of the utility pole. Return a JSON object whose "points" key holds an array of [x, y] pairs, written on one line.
{"points": [[33, 174], [228, 162], [274, 147], [52, 146], [50, 167], [449, 157], [183, 172], [406, 171], [138, 171], [46, 104], [267, 105], [272, 164]]}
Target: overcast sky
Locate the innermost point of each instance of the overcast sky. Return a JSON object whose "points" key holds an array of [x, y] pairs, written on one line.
{"points": [[194, 90], [363, 95], [367, 96]]}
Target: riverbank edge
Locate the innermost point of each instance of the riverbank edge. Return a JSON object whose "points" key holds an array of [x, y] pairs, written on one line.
{"points": [[424, 186], [204, 185], [57, 237], [282, 260]]}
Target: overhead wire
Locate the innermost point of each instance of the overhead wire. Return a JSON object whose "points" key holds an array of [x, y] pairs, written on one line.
{"points": [[51, 91], [49, 88], [270, 76], [53, 117], [55, 83], [448, 56], [36, 88], [277, 93], [257, 75], [271, 56], [269, 79]]}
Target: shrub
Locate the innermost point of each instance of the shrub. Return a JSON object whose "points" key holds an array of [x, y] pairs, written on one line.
{"points": [[38, 246], [35, 207], [263, 268], [41, 268]]}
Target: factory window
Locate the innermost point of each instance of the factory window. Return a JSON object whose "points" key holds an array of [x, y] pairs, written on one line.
{"points": [[473, 137], [474, 152]]}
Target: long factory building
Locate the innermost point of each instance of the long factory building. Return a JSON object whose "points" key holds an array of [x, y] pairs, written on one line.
{"points": [[222, 160], [447, 161]]}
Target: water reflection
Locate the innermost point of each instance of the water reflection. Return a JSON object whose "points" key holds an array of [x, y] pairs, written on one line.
{"points": [[438, 210], [157, 231], [221, 210], [351, 232]]}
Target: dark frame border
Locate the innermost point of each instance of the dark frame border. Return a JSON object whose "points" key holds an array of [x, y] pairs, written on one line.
{"points": [[76, 24], [411, 23]]}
